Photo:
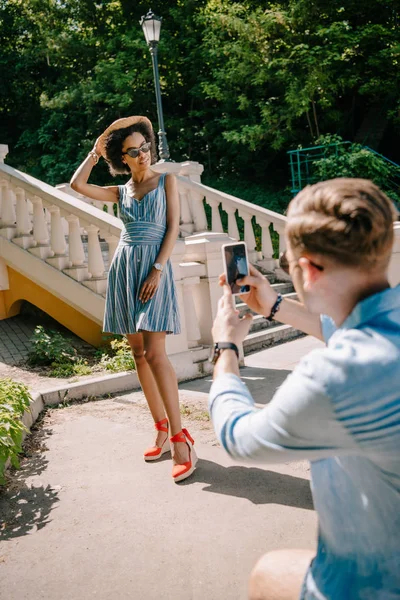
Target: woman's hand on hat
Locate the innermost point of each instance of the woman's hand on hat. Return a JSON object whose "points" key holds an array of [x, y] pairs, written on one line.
{"points": [[96, 147], [149, 286]]}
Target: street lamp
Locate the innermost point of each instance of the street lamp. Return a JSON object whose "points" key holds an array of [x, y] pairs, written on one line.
{"points": [[151, 26]]}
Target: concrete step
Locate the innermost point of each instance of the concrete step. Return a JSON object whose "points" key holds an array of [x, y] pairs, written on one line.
{"points": [[260, 322], [200, 354], [269, 337]]}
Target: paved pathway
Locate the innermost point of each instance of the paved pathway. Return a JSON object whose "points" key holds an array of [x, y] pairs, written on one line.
{"points": [[87, 518]]}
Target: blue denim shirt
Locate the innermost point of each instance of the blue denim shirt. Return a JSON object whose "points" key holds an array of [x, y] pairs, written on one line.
{"points": [[340, 408]]}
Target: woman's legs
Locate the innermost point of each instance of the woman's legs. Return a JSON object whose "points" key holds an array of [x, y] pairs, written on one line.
{"points": [[148, 383], [165, 377]]}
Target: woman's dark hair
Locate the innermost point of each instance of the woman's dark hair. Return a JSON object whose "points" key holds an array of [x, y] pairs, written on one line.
{"points": [[114, 141]]}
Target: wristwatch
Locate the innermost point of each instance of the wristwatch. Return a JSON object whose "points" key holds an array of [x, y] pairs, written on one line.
{"points": [[158, 267], [219, 347]]}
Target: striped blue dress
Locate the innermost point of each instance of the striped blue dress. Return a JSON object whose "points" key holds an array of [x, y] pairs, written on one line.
{"points": [[140, 242]]}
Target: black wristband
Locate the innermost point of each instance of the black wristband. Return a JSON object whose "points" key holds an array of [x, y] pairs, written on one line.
{"points": [[275, 307], [218, 346]]}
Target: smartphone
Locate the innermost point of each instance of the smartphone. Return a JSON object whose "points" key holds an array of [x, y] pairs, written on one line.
{"points": [[236, 266]]}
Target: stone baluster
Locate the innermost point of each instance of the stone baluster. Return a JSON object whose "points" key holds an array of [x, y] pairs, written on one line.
{"points": [[77, 269], [24, 225], [23, 237], [59, 260], [249, 237], [57, 239], [198, 211], [282, 241], [76, 251], [266, 244], [233, 230], [3, 152], [186, 222], [216, 223], [40, 231], [95, 257], [192, 327], [112, 242], [7, 215]]}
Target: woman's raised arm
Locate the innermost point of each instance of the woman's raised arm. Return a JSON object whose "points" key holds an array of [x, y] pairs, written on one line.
{"points": [[80, 177]]}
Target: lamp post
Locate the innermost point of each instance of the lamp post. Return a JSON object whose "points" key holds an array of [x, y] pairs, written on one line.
{"points": [[151, 26]]}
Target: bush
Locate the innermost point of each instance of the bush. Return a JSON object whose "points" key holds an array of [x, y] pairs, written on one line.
{"points": [[122, 360], [353, 160], [50, 347], [14, 401], [68, 369]]}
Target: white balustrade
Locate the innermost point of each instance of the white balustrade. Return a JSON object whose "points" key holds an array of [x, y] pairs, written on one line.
{"points": [[22, 213], [246, 210], [95, 257]]}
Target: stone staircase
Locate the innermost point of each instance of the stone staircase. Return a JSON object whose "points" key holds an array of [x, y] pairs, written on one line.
{"points": [[264, 333]]}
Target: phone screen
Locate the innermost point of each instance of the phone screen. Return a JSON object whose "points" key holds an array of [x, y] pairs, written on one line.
{"points": [[236, 267]]}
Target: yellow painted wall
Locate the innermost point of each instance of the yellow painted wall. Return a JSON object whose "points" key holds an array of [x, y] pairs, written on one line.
{"points": [[22, 288]]}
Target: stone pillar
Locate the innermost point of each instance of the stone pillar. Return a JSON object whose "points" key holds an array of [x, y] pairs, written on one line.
{"points": [[206, 249]]}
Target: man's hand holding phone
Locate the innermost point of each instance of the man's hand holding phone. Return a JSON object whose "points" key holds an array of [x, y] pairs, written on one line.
{"points": [[261, 297], [228, 326]]}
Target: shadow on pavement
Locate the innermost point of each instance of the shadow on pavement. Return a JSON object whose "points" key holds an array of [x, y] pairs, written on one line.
{"points": [[257, 485], [23, 507], [262, 383], [26, 509]]}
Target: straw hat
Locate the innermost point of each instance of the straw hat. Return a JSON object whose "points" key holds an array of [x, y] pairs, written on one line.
{"points": [[119, 124]]}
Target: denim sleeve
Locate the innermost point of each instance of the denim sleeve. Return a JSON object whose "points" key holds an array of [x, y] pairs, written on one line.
{"points": [[298, 423]]}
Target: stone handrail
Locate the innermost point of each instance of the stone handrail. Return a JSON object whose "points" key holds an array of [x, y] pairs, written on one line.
{"points": [[234, 207]]}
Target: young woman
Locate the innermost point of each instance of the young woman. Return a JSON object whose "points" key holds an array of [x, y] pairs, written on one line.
{"points": [[141, 300]]}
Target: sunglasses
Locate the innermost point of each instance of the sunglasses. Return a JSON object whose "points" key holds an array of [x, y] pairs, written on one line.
{"points": [[285, 264], [134, 152]]}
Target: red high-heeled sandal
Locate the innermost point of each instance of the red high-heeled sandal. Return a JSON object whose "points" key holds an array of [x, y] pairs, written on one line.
{"points": [[181, 472], [155, 452]]}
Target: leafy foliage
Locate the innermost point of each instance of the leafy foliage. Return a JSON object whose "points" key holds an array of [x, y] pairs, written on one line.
{"points": [[241, 81], [50, 347], [353, 160], [121, 359], [14, 401]]}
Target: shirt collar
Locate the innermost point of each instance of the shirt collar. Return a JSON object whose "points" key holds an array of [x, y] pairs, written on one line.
{"points": [[372, 306]]}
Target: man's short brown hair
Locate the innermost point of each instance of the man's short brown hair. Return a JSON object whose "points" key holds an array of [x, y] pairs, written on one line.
{"points": [[349, 220]]}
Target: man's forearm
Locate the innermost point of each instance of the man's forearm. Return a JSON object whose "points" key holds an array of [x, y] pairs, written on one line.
{"points": [[227, 363], [296, 314]]}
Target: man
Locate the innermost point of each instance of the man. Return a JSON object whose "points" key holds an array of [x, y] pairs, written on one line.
{"points": [[340, 408]]}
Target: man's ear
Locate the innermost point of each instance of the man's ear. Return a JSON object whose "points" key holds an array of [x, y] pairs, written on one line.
{"points": [[311, 273]]}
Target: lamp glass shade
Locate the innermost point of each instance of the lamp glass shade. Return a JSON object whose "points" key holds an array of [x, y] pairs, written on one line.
{"points": [[151, 26]]}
